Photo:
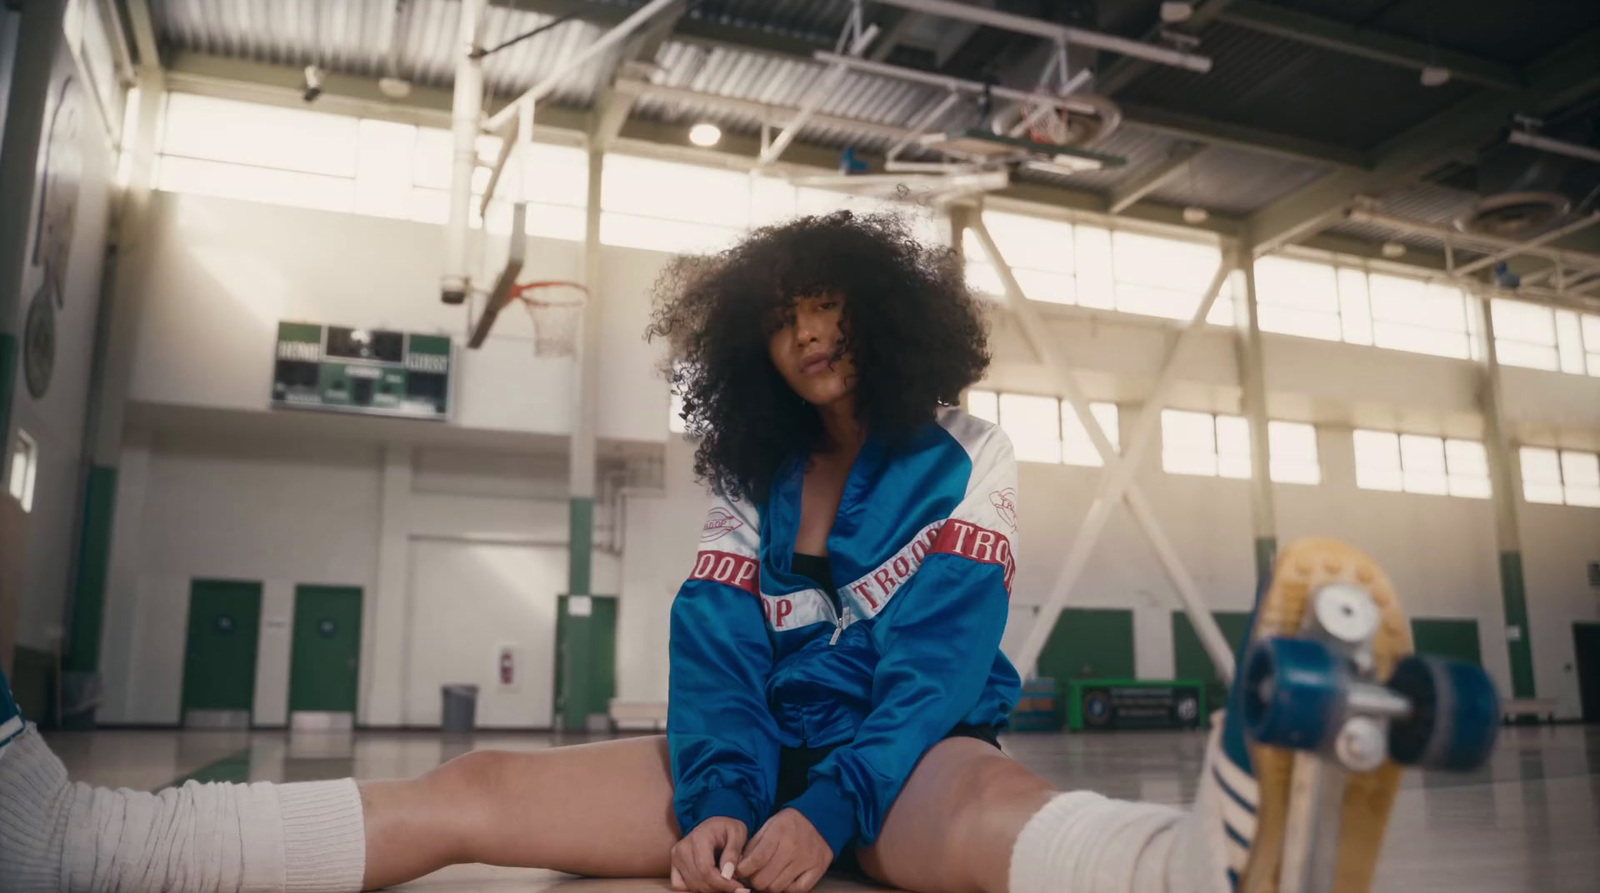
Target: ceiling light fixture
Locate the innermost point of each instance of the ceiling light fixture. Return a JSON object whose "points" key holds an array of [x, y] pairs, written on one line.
{"points": [[705, 134], [393, 87], [1435, 76]]}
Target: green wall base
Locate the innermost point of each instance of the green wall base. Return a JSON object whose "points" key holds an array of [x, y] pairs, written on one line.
{"points": [[1266, 557], [586, 661], [8, 387], [580, 549], [33, 684], [94, 556], [1519, 639]]}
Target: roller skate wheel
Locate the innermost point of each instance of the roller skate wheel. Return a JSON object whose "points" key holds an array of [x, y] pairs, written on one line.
{"points": [[1455, 714], [1292, 691]]}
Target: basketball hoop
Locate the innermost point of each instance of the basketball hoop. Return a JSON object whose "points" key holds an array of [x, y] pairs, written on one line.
{"points": [[555, 314]]}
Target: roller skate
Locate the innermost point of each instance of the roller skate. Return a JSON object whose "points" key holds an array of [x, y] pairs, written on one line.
{"points": [[1328, 706]]}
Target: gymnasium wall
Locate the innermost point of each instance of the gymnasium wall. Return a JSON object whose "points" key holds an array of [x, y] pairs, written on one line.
{"points": [[224, 271], [457, 553], [54, 417], [220, 274]]}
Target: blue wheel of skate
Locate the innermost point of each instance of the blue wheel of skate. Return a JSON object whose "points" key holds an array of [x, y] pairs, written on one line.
{"points": [[1292, 692], [1455, 714]]}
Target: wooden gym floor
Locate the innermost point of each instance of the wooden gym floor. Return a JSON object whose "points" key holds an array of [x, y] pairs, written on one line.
{"points": [[1530, 820]]}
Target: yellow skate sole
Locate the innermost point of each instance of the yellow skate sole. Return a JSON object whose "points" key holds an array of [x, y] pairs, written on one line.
{"points": [[1303, 567]]}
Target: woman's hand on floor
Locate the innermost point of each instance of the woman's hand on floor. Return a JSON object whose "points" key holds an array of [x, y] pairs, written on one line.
{"points": [[788, 855], [698, 859]]}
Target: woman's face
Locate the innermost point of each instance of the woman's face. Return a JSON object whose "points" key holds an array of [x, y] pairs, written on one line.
{"points": [[803, 351]]}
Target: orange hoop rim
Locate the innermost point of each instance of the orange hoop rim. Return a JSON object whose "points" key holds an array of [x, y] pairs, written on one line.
{"points": [[520, 292]]}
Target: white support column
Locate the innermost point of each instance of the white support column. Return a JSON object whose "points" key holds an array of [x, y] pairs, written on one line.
{"points": [[585, 394], [1252, 381], [1116, 482], [384, 610], [466, 110], [1505, 482]]}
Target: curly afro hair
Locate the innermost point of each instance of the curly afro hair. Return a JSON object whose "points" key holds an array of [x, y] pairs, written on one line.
{"points": [[915, 331]]}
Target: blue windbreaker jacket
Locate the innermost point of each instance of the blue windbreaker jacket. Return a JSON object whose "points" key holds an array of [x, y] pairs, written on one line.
{"points": [[922, 552]]}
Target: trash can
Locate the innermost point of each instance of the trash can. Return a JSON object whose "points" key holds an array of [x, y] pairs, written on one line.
{"points": [[460, 708]]}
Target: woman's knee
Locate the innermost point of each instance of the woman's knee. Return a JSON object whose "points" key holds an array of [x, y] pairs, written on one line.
{"points": [[988, 793], [474, 785]]}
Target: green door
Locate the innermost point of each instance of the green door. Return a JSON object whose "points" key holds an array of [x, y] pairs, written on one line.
{"points": [[1089, 644], [1456, 639], [326, 656], [586, 659], [219, 664], [1189, 657]]}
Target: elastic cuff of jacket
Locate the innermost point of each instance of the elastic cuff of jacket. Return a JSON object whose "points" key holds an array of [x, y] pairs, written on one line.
{"points": [[832, 813], [725, 802]]}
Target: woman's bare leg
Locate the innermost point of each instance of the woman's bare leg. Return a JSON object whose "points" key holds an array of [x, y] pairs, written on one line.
{"points": [[603, 810], [953, 826]]}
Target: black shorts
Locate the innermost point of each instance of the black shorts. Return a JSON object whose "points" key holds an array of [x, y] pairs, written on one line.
{"points": [[795, 764]]}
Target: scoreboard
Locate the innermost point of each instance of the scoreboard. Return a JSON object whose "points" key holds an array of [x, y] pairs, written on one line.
{"points": [[365, 371]]}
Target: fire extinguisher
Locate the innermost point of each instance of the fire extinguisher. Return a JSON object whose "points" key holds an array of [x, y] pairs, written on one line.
{"points": [[508, 669]]}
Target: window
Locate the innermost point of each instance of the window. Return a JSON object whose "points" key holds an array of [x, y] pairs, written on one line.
{"points": [[1039, 250], [1417, 316], [1034, 425], [303, 158], [669, 206], [1064, 263], [1560, 476], [985, 405], [1166, 277], [1545, 338], [1077, 447], [1204, 444], [1524, 334], [1591, 342], [1293, 450], [1045, 429], [1297, 297], [1418, 463], [24, 469]]}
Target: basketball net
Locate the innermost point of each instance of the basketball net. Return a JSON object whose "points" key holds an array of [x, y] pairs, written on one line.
{"points": [[555, 307]]}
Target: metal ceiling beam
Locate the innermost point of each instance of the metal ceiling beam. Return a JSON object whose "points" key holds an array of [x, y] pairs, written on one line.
{"points": [[430, 107], [613, 36], [768, 113], [144, 33], [897, 31], [1126, 194], [1064, 34], [1119, 74], [615, 101], [690, 30], [1523, 247], [1366, 43], [1221, 133], [1574, 258], [342, 94], [1574, 69]]}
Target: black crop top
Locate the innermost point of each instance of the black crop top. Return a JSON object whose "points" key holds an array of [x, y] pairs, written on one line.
{"points": [[819, 569]]}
